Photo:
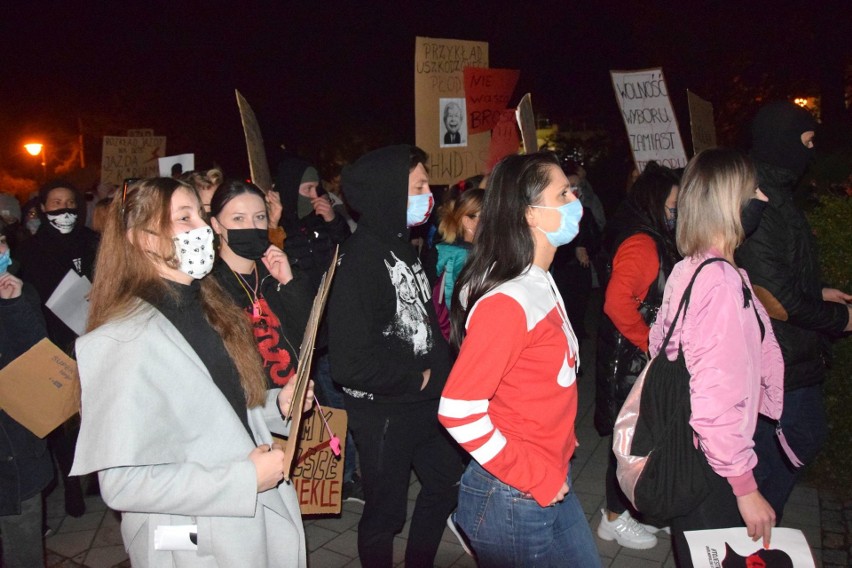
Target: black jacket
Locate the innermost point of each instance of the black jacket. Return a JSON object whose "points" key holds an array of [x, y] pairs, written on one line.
{"points": [[383, 332], [25, 464], [311, 240], [782, 262], [45, 260], [291, 303]]}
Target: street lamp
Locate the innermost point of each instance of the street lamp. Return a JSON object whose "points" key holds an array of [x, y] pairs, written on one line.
{"points": [[34, 149]]}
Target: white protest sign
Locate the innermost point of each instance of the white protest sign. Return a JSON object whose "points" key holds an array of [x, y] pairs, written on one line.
{"points": [[721, 548], [70, 301], [131, 157], [649, 118], [186, 161]]}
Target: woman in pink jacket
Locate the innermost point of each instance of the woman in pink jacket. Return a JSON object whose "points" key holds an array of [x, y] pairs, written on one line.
{"points": [[730, 351]]}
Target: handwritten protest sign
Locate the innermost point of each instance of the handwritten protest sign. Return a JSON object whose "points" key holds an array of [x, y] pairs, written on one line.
{"points": [[318, 474], [131, 156], [648, 115], [442, 128], [701, 123], [40, 389], [504, 139], [487, 93]]}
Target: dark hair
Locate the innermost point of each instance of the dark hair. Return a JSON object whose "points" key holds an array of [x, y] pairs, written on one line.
{"points": [[650, 192], [504, 246], [417, 156], [230, 189]]}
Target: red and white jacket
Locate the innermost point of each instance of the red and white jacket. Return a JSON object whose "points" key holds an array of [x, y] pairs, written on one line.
{"points": [[511, 398]]}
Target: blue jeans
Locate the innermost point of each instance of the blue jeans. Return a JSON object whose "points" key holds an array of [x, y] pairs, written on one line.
{"points": [[804, 425], [508, 528], [329, 394]]}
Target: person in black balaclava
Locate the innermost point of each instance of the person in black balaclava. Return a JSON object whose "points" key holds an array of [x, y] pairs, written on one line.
{"points": [[781, 258], [62, 243], [387, 351]]}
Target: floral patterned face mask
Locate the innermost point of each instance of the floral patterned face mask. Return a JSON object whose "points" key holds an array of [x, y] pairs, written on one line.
{"points": [[195, 251]]}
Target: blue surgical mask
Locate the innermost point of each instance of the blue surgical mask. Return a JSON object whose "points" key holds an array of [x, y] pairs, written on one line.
{"points": [[569, 225], [5, 261], [419, 208], [671, 222]]}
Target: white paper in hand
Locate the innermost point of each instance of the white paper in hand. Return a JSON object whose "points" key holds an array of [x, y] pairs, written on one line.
{"points": [[70, 303]]}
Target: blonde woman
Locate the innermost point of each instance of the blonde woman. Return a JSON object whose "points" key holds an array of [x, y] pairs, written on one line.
{"points": [[727, 344]]}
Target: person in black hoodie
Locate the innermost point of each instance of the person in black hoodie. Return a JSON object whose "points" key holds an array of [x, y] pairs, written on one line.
{"points": [[782, 261], [313, 227], [388, 353], [62, 243], [25, 465]]}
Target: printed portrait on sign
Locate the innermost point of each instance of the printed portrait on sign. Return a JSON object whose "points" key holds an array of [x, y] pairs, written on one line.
{"points": [[453, 127]]}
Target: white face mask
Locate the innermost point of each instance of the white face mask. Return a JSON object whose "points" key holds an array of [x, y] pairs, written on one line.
{"points": [[63, 220], [195, 251]]}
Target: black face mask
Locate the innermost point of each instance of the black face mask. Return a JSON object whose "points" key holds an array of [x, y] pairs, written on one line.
{"points": [[751, 215], [248, 243]]}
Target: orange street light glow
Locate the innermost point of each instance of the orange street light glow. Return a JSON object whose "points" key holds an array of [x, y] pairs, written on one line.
{"points": [[34, 149]]}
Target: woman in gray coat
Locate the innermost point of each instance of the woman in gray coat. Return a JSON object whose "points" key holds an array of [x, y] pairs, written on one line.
{"points": [[176, 417]]}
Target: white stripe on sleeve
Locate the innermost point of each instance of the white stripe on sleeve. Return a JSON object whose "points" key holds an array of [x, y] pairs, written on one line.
{"points": [[489, 449], [455, 408], [467, 432]]}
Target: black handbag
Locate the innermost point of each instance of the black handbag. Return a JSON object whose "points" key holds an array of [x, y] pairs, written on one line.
{"points": [[675, 478]]}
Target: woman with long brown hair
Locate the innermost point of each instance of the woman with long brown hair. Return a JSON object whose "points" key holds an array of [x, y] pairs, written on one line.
{"points": [[176, 416]]}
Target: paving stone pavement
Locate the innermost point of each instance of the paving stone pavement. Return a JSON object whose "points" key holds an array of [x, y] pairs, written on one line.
{"points": [[94, 540]]}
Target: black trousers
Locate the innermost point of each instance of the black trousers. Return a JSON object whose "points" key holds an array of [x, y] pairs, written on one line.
{"points": [[391, 439], [718, 511]]}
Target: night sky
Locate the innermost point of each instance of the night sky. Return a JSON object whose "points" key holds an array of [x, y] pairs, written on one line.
{"points": [[318, 75]]}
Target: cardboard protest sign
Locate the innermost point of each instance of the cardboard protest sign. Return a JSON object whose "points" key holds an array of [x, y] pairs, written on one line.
{"points": [[526, 122], [258, 165], [41, 388], [441, 116], [487, 93], [186, 161], [722, 548], [131, 157], [504, 139], [318, 473], [649, 118], [701, 123], [303, 372]]}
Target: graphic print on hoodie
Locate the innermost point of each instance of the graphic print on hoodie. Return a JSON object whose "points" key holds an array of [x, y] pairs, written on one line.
{"points": [[411, 323]]}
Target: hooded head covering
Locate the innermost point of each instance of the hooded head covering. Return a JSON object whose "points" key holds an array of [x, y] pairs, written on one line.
{"points": [[291, 170], [777, 136], [10, 203], [376, 186]]}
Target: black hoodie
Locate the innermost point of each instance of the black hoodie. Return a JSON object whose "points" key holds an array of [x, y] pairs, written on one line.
{"points": [[383, 330], [311, 240]]}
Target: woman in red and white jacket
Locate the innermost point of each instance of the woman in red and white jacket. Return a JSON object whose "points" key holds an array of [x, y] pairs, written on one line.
{"points": [[511, 398]]}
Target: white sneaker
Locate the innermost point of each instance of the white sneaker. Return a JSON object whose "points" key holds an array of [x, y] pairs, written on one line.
{"points": [[451, 524], [626, 532]]}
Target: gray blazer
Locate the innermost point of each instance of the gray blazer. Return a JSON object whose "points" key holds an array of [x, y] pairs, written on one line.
{"points": [[169, 450]]}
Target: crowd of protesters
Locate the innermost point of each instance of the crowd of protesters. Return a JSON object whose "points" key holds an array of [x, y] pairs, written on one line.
{"points": [[457, 359]]}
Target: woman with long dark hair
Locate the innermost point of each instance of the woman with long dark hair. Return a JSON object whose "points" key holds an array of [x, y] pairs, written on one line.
{"points": [[639, 242], [176, 412], [511, 399], [258, 277]]}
